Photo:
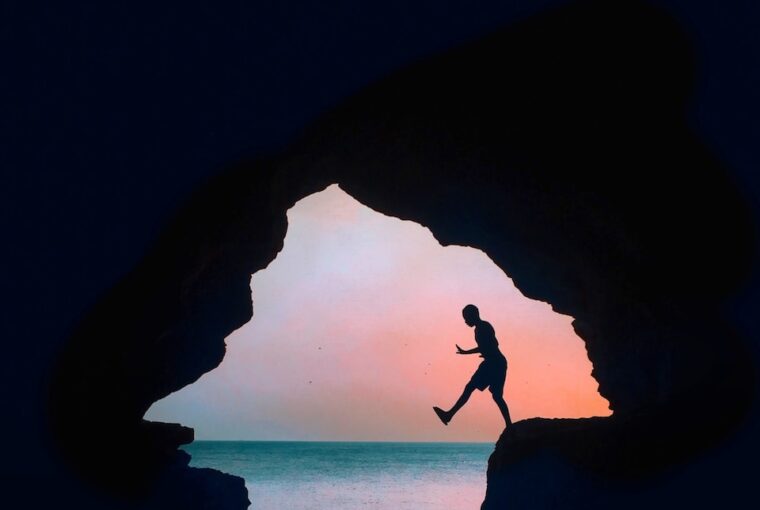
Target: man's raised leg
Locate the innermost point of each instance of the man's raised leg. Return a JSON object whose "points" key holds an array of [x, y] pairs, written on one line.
{"points": [[446, 416]]}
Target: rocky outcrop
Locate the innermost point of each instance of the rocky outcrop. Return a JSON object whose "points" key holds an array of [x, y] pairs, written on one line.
{"points": [[180, 486], [591, 463], [559, 147]]}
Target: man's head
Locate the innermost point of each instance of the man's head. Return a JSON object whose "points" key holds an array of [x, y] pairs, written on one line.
{"points": [[471, 315]]}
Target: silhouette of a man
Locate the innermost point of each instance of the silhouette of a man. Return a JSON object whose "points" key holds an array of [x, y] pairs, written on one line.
{"points": [[491, 372]]}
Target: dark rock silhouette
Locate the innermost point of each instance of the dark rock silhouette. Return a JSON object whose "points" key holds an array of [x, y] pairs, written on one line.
{"points": [[558, 147], [596, 463]]}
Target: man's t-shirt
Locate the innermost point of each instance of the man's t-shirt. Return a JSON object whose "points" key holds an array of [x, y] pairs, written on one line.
{"points": [[485, 337]]}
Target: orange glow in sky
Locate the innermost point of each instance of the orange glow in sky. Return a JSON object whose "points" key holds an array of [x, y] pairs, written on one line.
{"points": [[353, 338]]}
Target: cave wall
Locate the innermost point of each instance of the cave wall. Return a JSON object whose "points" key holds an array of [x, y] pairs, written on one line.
{"points": [[558, 146]]}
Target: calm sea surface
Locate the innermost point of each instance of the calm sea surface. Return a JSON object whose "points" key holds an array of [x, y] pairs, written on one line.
{"points": [[349, 476]]}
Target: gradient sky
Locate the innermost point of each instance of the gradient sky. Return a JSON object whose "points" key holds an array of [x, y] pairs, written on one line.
{"points": [[353, 338]]}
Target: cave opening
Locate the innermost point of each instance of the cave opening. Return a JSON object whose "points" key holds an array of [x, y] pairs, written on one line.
{"points": [[351, 343]]}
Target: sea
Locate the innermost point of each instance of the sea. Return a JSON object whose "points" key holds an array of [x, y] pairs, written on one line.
{"points": [[352, 475]]}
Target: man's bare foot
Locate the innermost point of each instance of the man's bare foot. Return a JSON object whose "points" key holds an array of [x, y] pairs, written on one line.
{"points": [[443, 415]]}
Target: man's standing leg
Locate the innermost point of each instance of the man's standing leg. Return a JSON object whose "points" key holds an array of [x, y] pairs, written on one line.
{"points": [[498, 397]]}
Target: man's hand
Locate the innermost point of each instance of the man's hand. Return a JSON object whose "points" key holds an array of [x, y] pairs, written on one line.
{"points": [[465, 351]]}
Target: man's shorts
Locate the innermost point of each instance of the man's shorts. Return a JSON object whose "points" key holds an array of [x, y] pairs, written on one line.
{"points": [[491, 372]]}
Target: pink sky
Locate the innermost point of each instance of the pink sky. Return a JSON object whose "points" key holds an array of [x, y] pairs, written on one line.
{"points": [[353, 338]]}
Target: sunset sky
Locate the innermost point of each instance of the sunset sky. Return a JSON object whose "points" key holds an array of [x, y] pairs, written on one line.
{"points": [[353, 338]]}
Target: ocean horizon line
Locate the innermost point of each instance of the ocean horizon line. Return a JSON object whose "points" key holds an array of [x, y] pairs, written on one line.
{"points": [[335, 441]]}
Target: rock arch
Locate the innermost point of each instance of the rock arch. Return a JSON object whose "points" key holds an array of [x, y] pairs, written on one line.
{"points": [[559, 147]]}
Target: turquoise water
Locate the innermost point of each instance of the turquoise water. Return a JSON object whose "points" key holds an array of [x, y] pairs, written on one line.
{"points": [[355, 475]]}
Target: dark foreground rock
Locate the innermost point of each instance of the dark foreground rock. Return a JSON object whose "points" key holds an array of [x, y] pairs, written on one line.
{"points": [[184, 487], [560, 147], [593, 463]]}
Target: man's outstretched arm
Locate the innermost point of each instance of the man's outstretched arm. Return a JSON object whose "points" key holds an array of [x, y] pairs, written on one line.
{"points": [[468, 351]]}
